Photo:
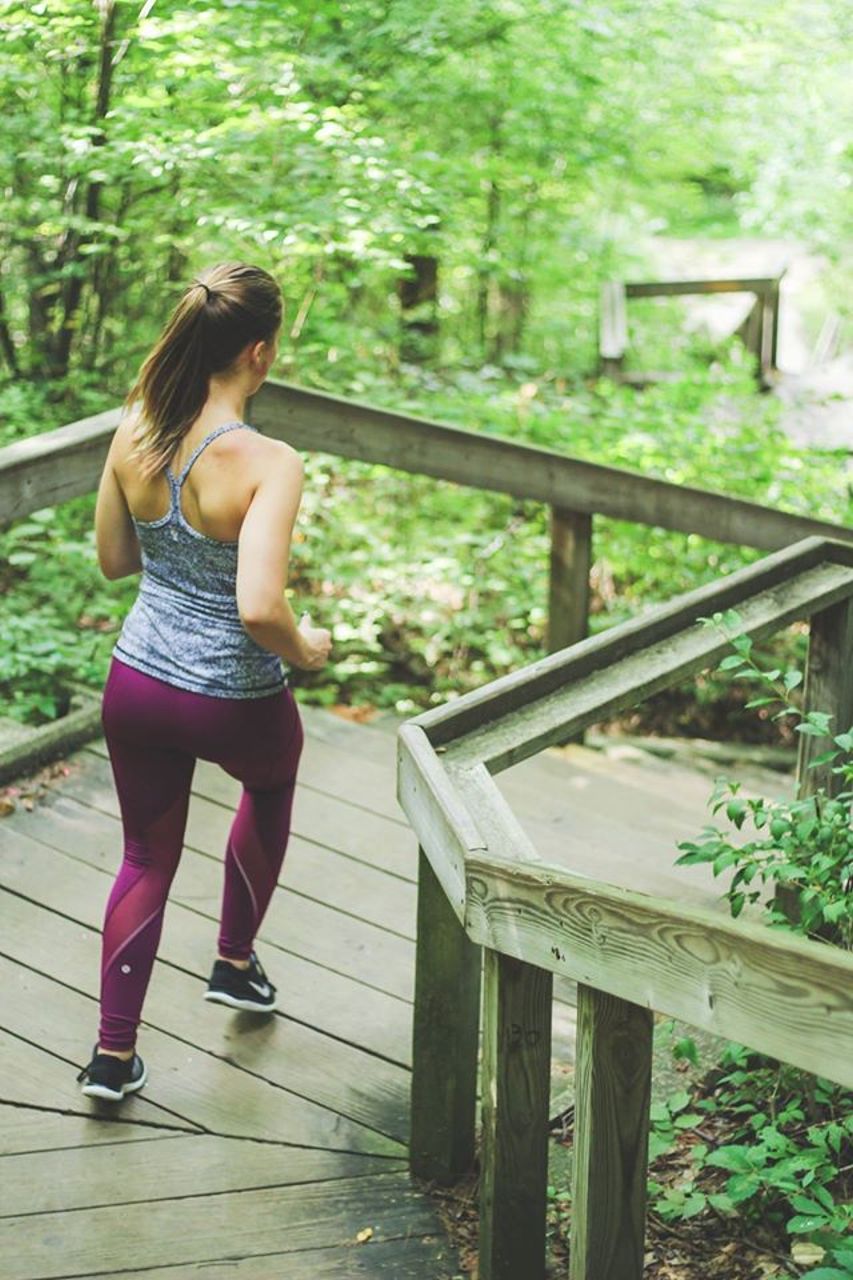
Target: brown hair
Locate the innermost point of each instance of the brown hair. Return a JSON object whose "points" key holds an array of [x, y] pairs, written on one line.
{"points": [[225, 307]]}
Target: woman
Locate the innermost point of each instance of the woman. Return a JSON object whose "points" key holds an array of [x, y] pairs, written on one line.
{"points": [[205, 506]]}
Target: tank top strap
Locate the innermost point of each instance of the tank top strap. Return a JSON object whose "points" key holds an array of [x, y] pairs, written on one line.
{"points": [[217, 431]]}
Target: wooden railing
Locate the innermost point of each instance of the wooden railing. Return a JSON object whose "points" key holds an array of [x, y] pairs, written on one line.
{"points": [[55, 466], [481, 883], [485, 896], [759, 331]]}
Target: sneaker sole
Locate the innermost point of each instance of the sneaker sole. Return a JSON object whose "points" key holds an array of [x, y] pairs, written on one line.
{"points": [[109, 1095], [234, 1002]]}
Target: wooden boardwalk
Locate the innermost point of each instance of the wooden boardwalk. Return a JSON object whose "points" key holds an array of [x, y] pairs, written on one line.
{"points": [[261, 1148]]}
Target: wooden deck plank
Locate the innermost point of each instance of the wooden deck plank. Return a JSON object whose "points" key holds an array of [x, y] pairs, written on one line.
{"points": [[342, 942], [193, 1085], [345, 1081], [88, 1177], [618, 821], [319, 816], [34, 1078], [341, 764], [312, 876], [419, 1258], [331, 1002], [27, 1131], [274, 1220]]}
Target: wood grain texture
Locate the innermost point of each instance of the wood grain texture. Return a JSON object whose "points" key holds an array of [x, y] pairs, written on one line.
{"points": [[781, 995], [446, 830], [27, 1132], [54, 466], [163, 1168], [57, 465], [189, 1086], [316, 421], [445, 1033], [415, 1258], [273, 1220], [539, 722], [299, 1059], [612, 1093], [829, 688], [516, 1071], [538, 679]]}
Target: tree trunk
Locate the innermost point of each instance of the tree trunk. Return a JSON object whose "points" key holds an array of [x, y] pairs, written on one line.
{"points": [[419, 308], [72, 290]]}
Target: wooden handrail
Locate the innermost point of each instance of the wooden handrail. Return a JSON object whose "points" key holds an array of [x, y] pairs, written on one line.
{"points": [[55, 466], [482, 885]]}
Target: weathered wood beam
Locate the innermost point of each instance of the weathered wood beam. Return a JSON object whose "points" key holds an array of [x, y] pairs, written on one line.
{"points": [[57, 465], [669, 288], [445, 829], [613, 329], [325, 423], [54, 466], [613, 1078], [780, 994], [829, 688], [543, 723], [445, 1038], [540, 680], [516, 1079]]}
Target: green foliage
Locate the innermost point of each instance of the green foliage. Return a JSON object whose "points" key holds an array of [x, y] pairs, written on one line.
{"points": [[789, 1134], [841, 1268], [802, 849]]}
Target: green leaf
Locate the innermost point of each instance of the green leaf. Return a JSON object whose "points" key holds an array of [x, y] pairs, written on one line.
{"points": [[733, 1158], [802, 1223]]}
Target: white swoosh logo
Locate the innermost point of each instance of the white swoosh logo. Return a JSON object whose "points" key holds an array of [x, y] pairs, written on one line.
{"points": [[262, 991]]}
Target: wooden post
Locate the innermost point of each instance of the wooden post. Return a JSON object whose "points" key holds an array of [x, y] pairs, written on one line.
{"points": [[774, 338], [515, 1095], [829, 687], [571, 560], [613, 1072], [445, 1036], [613, 329]]}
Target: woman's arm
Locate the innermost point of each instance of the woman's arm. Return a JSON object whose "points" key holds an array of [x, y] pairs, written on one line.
{"points": [[264, 553], [119, 553]]}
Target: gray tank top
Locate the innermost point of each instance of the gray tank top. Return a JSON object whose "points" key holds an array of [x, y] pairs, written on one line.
{"points": [[184, 627]]}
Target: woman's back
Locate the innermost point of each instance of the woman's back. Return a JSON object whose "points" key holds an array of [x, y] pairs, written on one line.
{"points": [[218, 489], [185, 625]]}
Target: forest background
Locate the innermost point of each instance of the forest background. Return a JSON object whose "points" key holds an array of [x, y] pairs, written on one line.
{"points": [[527, 150]]}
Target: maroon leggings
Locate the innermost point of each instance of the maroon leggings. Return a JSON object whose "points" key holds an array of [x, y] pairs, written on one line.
{"points": [[155, 732]]}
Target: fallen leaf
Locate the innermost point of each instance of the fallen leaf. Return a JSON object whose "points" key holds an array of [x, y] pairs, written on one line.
{"points": [[806, 1254], [7, 806], [359, 714], [365, 1234]]}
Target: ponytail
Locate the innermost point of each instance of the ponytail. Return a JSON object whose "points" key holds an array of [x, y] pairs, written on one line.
{"points": [[224, 309]]}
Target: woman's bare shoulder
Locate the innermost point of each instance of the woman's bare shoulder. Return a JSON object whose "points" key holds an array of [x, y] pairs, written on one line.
{"points": [[266, 450]]}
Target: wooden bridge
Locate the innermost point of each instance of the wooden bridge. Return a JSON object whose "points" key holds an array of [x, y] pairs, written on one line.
{"points": [[283, 1147], [275, 1141], [759, 329]]}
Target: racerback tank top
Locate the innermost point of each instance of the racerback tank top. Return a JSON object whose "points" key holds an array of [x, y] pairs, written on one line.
{"points": [[184, 627]]}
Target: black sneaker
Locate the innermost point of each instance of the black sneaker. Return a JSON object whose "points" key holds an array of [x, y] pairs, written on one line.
{"points": [[111, 1078], [248, 989]]}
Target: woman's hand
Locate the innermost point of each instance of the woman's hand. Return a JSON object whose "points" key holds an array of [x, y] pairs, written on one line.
{"points": [[316, 644]]}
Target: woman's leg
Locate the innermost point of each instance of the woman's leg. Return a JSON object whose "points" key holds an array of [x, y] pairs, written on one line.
{"points": [[153, 783], [267, 765]]}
